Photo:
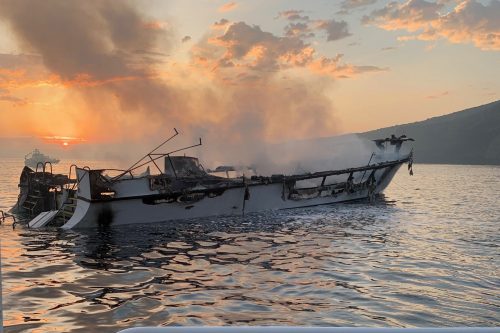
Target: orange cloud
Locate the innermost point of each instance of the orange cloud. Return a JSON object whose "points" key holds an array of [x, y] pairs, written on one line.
{"points": [[468, 22], [155, 25], [19, 79], [221, 25], [334, 67], [242, 47], [227, 7], [302, 26], [86, 80], [16, 101]]}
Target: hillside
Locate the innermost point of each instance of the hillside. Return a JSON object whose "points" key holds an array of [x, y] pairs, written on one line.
{"points": [[471, 136]]}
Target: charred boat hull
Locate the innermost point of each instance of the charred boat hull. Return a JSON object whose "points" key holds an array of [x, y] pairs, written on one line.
{"points": [[185, 190], [135, 202]]}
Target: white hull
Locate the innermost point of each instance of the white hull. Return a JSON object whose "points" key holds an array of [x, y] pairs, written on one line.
{"points": [[130, 205]]}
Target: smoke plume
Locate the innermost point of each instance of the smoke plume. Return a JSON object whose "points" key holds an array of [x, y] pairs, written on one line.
{"points": [[241, 89]]}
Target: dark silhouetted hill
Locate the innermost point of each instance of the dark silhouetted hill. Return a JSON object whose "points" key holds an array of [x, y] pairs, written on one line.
{"points": [[471, 136]]}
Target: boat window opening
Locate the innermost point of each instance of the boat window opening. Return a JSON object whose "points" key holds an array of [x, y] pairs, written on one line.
{"points": [[308, 183], [183, 166], [167, 200], [159, 182], [214, 194], [190, 198]]}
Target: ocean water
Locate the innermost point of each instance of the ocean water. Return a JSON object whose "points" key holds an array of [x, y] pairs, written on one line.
{"points": [[426, 253]]}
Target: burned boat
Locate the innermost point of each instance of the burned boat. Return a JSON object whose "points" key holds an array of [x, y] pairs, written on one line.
{"points": [[184, 190]]}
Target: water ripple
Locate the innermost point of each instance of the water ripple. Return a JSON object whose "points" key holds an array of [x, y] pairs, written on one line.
{"points": [[426, 257]]}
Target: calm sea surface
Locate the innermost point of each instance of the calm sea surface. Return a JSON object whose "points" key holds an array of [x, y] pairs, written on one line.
{"points": [[425, 254]]}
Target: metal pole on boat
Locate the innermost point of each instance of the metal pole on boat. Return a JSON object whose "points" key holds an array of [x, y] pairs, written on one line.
{"points": [[367, 165], [148, 154], [160, 156]]}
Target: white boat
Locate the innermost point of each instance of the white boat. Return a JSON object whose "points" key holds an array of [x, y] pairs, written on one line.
{"points": [[184, 190], [35, 158]]}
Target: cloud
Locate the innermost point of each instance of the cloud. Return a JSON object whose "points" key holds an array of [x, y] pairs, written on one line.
{"points": [[108, 53], [221, 24], [249, 46], [20, 71], [227, 7], [244, 47], [348, 5], [293, 15], [411, 15], [19, 61], [336, 68], [31, 74], [99, 67], [351, 4], [299, 29], [467, 22], [5, 96], [334, 30], [301, 26]]}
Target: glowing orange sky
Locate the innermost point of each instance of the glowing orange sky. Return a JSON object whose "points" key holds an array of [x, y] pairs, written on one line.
{"points": [[279, 71]]}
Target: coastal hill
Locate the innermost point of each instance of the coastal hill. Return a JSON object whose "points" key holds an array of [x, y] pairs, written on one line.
{"points": [[471, 136]]}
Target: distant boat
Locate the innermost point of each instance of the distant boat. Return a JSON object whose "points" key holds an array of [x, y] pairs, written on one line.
{"points": [[35, 157]]}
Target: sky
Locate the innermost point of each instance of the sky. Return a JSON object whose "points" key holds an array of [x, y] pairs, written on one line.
{"points": [[239, 74]]}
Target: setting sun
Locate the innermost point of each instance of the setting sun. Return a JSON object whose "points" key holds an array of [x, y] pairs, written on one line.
{"points": [[64, 141]]}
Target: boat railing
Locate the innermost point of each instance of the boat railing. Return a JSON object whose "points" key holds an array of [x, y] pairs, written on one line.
{"points": [[71, 168], [5, 215], [45, 166], [72, 185], [322, 174], [42, 167]]}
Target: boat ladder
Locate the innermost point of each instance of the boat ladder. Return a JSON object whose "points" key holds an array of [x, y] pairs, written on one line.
{"points": [[64, 213], [32, 202]]}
